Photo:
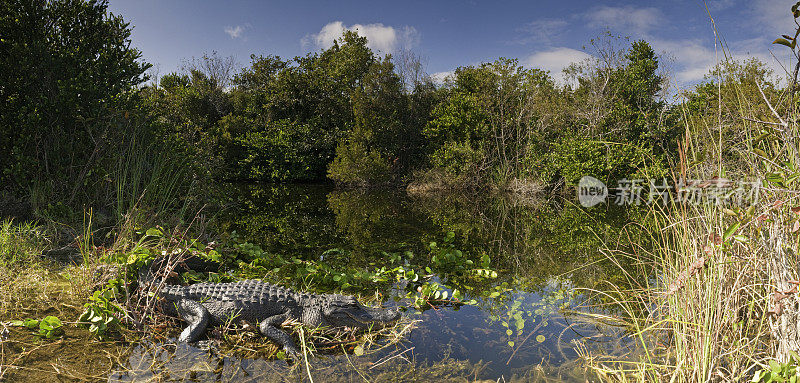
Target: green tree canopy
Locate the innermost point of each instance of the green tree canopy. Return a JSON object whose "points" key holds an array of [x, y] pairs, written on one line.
{"points": [[66, 74]]}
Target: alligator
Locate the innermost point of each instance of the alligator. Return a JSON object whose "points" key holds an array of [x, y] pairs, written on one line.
{"points": [[268, 305]]}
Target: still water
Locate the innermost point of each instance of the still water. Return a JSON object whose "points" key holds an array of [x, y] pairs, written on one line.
{"points": [[527, 322]]}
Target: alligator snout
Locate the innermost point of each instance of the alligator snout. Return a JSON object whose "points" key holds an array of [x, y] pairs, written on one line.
{"points": [[385, 316]]}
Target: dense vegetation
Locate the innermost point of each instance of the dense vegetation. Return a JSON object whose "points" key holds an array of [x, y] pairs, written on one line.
{"points": [[83, 127], [348, 115]]}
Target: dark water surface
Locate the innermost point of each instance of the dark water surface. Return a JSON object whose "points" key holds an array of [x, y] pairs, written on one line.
{"points": [[546, 253]]}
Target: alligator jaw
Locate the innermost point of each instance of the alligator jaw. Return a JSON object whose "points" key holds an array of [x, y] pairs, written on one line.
{"points": [[376, 315]]}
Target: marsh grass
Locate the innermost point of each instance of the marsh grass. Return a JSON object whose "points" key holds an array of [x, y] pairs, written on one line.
{"points": [[702, 316], [24, 273], [719, 302]]}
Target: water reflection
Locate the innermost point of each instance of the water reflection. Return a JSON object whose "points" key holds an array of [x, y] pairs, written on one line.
{"points": [[544, 250]]}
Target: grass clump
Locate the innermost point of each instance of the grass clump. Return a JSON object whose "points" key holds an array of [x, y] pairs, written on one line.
{"points": [[719, 298]]}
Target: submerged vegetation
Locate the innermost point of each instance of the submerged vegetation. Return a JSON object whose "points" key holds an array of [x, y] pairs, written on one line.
{"points": [[449, 197]]}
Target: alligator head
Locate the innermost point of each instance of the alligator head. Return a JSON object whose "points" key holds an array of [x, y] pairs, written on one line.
{"points": [[345, 311]]}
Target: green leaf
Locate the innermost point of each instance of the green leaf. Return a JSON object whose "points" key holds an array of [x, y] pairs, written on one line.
{"points": [[358, 350], [783, 41], [760, 152], [776, 178], [31, 323], [540, 338], [511, 343], [730, 230], [50, 323], [153, 232]]}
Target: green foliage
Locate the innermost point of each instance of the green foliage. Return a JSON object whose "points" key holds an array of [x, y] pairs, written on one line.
{"points": [[101, 312], [459, 160], [384, 142], [356, 164], [575, 157], [283, 151], [187, 111], [484, 126], [778, 371], [49, 328], [67, 71], [311, 100], [714, 109], [19, 243], [450, 264], [633, 131]]}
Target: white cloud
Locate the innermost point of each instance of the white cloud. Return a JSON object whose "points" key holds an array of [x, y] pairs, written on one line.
{"points": [[721, 5], [541, 31], [555, 60], [694, 58], [234, 32], [379, 37], [772, 17], [627, 18], [440, 77]]}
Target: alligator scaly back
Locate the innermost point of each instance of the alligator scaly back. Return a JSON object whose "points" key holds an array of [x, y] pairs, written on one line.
{"points": [[269, 306]]}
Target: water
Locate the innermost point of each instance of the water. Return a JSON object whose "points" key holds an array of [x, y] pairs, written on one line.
{"points": [[546, 253]]}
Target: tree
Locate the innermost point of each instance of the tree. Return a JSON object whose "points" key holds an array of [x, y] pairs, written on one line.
{"points": [[492, 117], [279, 99], [66, 77], [619, 125]]}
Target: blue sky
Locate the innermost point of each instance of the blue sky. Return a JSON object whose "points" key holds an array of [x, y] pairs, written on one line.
{"points": [[448, 34]]}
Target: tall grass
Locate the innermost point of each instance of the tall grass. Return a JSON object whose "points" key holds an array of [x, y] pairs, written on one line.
{"points": [[149, 175], [19, 243], [721, 300]]}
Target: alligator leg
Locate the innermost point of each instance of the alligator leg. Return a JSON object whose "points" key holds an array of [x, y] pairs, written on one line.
{"points": [[269, 327], [196, 315]]}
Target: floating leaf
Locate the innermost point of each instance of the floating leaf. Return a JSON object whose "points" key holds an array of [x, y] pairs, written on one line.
{"points": [[540, 338], [358, 351]]}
